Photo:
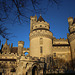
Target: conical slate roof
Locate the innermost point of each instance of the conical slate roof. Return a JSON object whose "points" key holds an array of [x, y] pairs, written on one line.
{"points": [[40, 19]]}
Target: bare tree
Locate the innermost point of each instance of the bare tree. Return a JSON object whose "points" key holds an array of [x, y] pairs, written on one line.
{"points": [[3, 32], [19, 10]]}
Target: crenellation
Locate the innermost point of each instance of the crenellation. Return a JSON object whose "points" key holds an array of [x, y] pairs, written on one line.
{"points": [[45, 52], [70, 20], [61, 46]]}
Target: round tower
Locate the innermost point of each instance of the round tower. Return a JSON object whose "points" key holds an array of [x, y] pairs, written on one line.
{"points": [[40, 39], [71, 38], [20, 47]]}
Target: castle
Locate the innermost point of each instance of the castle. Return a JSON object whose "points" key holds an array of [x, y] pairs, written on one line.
{"points": [[46, 54]]}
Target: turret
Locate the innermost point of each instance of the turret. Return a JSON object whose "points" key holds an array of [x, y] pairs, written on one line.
{"points": [[33, 19], [40, 39], [71, 23], [71, 38], [20, 47], [70, 20]]}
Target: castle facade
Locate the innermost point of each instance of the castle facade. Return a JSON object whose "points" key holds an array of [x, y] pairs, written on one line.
{"points": [[46, 54]]}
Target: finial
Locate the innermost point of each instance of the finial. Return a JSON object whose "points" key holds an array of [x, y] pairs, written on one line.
{"points": [[40, 14]]}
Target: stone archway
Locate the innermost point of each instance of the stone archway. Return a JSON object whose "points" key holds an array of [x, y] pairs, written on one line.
{"points": [[26, 73], [0, 73], [35, 70]]}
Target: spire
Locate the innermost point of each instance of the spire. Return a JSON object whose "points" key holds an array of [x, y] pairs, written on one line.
{"points": [[40, 18], [6, 42]]}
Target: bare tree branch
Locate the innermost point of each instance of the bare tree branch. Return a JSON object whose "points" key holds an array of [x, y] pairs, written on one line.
{"points": [[20, 9]]}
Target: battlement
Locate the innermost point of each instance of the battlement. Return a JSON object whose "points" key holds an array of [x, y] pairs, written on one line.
{"points": [[61, 47], [21, 42], [41, 33], [60, 41], [11, 54], [33, 16], [70, 19], [24, 49], [8, 56], [42, 22]]}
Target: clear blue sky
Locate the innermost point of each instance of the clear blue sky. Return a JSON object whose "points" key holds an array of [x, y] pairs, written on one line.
{"points": [[55, 16]]}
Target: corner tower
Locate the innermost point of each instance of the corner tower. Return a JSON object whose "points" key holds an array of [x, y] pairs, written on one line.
{"points": [[40, 38], [20, 47], [71, 38]]}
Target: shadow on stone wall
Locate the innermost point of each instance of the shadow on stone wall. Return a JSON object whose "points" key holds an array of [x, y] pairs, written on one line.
{"points": [[57, 65]]}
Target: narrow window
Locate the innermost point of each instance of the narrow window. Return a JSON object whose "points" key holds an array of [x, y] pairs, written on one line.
{"points": [[41, 40], [41, 49]]}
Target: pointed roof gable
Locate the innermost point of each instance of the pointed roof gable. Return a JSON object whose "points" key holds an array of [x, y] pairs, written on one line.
{"points": [[6, 43], [40, 19]]}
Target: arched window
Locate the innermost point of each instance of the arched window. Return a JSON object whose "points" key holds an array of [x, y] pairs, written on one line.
{"points": [[26, 53], [35, 71]]}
